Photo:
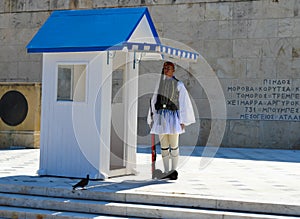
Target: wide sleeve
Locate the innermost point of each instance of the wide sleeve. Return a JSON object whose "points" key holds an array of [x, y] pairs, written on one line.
{"points": [[152, 104], [186, 111]]}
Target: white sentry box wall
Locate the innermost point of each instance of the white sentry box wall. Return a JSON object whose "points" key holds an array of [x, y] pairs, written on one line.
{"points": [[76, 136]]}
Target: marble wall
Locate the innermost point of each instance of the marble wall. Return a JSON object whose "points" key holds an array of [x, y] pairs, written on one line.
{"points": [[253, 47]]}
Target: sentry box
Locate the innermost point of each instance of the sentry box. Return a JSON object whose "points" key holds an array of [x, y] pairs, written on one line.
{"points": [[85, 126]]}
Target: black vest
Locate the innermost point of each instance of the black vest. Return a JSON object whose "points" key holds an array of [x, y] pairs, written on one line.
{"points": [[168, 95]]}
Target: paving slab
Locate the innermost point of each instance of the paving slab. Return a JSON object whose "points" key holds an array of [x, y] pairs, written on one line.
{"points": [[233, 177]]}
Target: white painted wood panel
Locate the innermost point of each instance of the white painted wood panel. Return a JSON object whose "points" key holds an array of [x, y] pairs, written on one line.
{"points": [[70, 133]]}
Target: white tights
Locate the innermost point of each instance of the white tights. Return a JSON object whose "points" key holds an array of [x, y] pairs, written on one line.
{"points": [[169, 146]]}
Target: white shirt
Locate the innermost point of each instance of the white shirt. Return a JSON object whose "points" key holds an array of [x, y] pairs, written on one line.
{"points": [[168, 122]]}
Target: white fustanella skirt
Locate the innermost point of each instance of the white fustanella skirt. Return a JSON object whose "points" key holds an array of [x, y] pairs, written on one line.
{"points": [[166, 122]]}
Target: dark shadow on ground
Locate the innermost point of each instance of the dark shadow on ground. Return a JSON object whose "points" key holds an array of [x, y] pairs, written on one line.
{"points": [[233, 153], [48, 184]]}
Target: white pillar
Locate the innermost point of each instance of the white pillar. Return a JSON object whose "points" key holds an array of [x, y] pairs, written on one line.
{"points": [[105, 114], [131, 109]]}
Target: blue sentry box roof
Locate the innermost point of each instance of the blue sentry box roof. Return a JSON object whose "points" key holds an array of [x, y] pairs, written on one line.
{"points": [[88, 30]]}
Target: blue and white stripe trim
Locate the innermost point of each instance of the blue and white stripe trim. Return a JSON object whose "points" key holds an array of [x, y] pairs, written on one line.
{"points": [[162, 49], [178, 52]]}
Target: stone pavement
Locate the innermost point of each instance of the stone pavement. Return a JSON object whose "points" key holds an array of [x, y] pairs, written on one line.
{"points": [[19, 162], [257, 176]]}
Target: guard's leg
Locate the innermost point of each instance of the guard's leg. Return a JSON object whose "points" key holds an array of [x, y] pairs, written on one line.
{"points": [[173, 140], [164, 146]]}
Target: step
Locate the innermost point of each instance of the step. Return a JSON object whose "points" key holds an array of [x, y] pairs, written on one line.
{"points": [[28, 213], [164, 199], [122, 209]]}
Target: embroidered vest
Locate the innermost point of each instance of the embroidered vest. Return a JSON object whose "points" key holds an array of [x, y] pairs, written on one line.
{"points": [[168, 95]]}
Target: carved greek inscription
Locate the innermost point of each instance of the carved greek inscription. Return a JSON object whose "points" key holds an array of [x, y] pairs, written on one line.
{"points": [[270, 99]]}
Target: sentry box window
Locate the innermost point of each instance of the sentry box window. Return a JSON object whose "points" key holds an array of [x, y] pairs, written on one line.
{"points": [[71, 82]]}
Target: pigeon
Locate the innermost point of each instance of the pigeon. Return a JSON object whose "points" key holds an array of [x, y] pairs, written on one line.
{"points": [[82, 183]]}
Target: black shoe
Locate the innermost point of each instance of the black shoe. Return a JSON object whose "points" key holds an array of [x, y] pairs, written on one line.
{"points": [[172, 175], [157, 174]]}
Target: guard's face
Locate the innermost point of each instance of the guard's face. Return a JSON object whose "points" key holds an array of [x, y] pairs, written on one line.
{"points": [[168, 70]]}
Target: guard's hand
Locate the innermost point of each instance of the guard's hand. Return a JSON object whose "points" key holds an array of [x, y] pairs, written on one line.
{"points": [[150, 125], [182, 126]]}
